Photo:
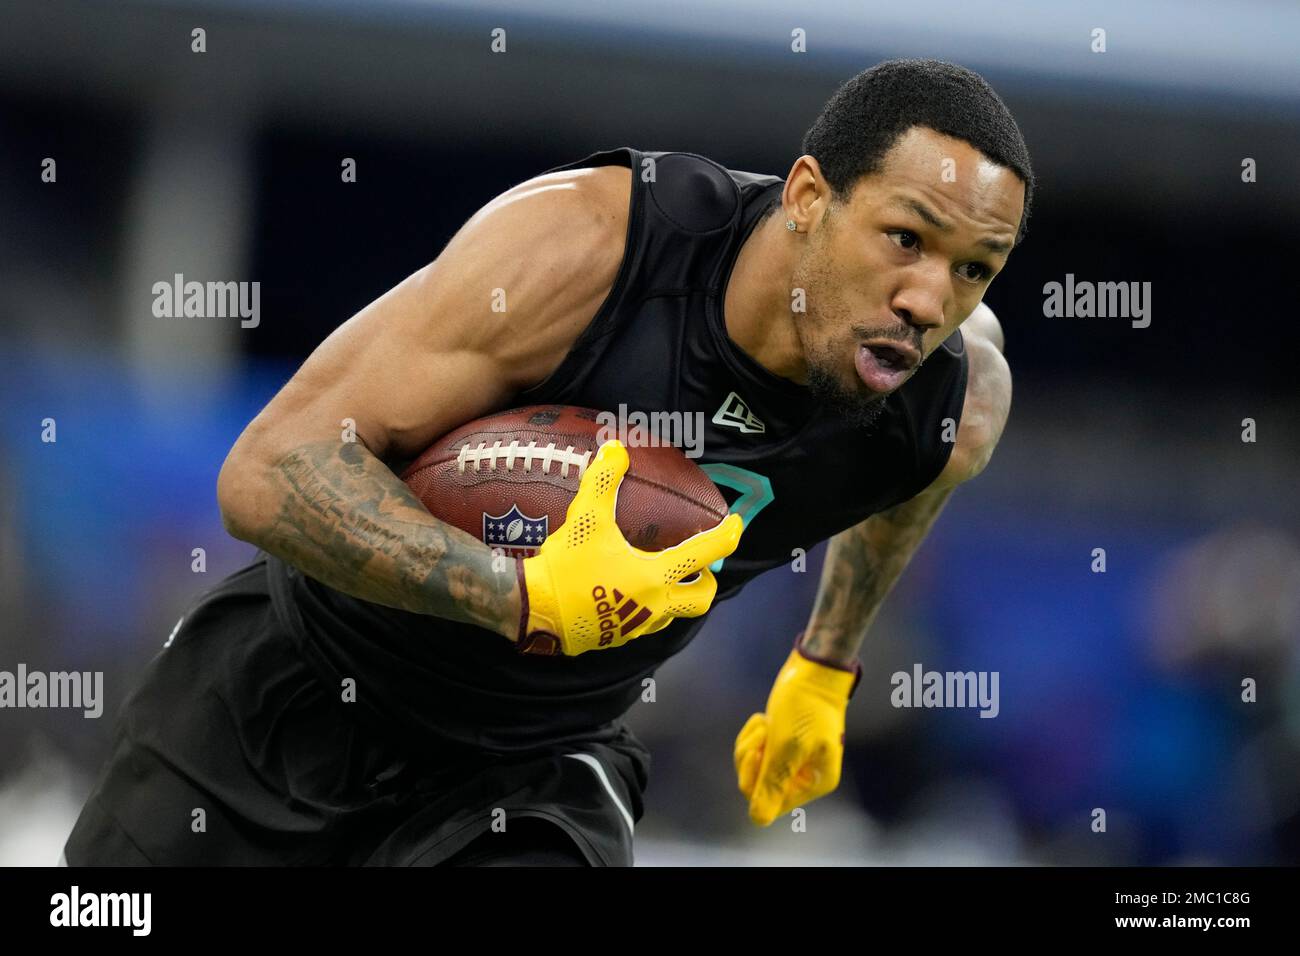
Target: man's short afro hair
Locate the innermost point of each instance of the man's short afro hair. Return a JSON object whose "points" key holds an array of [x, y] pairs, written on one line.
{"points": [[864, 118]]}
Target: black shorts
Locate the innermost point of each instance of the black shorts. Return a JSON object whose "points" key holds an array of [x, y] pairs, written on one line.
{"points": [[233, 752]]}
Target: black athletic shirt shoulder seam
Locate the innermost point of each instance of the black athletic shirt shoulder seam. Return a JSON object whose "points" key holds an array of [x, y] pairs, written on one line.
{"points": [[723, 175]]}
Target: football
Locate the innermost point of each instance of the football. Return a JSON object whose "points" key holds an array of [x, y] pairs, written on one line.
{"points": [[508, 479]]}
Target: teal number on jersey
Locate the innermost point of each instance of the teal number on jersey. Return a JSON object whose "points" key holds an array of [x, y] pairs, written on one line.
{"points": [[755, 494]]}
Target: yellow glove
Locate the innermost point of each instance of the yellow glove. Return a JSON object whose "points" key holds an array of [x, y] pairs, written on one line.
{"points": [[792, 754], [587, 588]]}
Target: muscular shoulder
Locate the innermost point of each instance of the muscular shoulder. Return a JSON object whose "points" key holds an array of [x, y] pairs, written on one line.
{"points": [[987, 402], [579, 214], [548, 252]]}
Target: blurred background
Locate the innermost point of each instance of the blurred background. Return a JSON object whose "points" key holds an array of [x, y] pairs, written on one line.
{"points": [[1119, 690]]}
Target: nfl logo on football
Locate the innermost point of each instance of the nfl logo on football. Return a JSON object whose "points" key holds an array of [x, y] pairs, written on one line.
{"points": [[514, 532]]}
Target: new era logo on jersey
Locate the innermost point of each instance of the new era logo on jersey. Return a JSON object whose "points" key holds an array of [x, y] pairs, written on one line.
{"points": [[620, 613], [734, 413], [515, 532]]}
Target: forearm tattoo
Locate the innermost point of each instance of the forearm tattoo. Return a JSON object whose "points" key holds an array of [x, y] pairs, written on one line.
{"points": [[862, 565], [345, 519]]}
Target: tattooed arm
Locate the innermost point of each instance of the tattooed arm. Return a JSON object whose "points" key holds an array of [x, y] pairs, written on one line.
{"points": [[347, 520], [495, 313], [863, 562]]}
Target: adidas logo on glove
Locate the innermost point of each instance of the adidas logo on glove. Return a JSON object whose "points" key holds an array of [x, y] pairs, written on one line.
{"points": [[606, 611]]}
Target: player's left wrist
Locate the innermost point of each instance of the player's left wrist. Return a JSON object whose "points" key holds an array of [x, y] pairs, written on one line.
{"points": [[849, 668]]}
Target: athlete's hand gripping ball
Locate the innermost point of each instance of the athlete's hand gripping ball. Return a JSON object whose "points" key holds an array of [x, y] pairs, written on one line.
{"points": [[588, 589], [792, 754]]}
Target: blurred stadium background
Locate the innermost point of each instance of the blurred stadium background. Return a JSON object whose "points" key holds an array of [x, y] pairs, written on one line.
{"points": [[1118, 690]]}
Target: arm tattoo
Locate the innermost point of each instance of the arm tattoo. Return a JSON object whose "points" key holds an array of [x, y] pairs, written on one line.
{"points": [[345, 519], [862, 564]]}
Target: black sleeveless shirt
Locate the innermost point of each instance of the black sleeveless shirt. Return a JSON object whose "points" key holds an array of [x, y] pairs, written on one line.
{"points": [[795, 473]]}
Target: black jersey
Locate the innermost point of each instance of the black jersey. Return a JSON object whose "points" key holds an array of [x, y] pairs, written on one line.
{"points": [[796, 473]]}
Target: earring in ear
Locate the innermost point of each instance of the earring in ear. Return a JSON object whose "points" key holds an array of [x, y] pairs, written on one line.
{"points": [[789, 224]]}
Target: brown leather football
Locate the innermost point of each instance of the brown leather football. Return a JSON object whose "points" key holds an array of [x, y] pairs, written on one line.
{"points": [[508, 479]]}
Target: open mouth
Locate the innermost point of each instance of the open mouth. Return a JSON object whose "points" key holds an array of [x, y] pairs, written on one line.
{"points": [[884, 366], [891, 357]]}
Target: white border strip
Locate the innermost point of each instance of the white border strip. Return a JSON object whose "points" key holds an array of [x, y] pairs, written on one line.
{"points": [[595, 765]]}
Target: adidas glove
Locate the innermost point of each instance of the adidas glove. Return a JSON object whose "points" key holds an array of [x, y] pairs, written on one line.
{"points": [[791, 754], [588, 589]]}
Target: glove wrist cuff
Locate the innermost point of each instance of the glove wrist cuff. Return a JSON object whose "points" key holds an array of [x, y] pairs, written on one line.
{"points": [[855, 668], [538, 633]]}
